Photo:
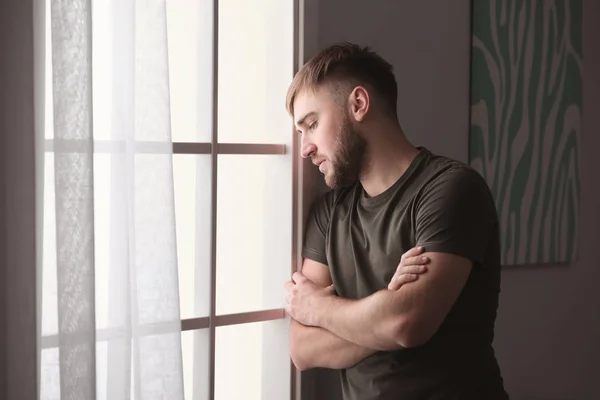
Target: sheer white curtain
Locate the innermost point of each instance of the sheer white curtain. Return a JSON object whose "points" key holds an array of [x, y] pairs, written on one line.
{"points": [[110, 320]]}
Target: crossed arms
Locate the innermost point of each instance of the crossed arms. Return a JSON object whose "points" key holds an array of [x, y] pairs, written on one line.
{"points": [[331, 332], [455, 214], [313, 346]]}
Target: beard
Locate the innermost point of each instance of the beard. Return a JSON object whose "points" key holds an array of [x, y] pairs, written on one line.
{"points": [[348, 156]]}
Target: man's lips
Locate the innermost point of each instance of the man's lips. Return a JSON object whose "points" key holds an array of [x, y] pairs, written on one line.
{"points": [[321, 165]]}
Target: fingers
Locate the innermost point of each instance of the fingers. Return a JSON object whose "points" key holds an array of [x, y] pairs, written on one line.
{"points": [[399, 280], [415, 251], [298, 277], [411, 269], [414, 260], [413, 264], [406, 274]]}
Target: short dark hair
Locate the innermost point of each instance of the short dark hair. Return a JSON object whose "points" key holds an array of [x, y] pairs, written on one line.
{"points": [[345, 66]]}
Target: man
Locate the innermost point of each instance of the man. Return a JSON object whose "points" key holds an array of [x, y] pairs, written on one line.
{"points": [[352, 309]]}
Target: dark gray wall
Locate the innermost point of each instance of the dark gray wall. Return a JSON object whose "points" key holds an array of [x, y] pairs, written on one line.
{"points": [[17, 207], [3, 319], [548, 324]]}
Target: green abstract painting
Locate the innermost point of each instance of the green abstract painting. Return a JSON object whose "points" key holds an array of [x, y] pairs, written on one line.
{"points": [[526, 104]]}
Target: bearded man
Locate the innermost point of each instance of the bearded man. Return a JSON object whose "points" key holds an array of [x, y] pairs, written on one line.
{"points": [[361, 303]]}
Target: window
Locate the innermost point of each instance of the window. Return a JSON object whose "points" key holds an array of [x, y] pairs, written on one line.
{"points": [[233, 167]]}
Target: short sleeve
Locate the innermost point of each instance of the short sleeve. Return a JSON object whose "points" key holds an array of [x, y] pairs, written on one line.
{"points": [[456, 214], [317, 226]]}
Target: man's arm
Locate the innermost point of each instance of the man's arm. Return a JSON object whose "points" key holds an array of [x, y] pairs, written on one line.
{"points": [[407, 317], [316, 347], [312, 347]]}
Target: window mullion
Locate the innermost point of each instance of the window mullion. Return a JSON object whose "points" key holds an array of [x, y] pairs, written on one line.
{"points": [[213, 219]]}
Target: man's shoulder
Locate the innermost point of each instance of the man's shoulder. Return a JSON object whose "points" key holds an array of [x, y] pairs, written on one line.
{"points": [[451, 174], [437, 164], [447, 184]]}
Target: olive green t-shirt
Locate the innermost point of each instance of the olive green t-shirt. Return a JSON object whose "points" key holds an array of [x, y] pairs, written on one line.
{"points": [[445, 206]]}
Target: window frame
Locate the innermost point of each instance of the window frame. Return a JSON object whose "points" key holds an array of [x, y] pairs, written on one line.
{"points": [[216, 148]]}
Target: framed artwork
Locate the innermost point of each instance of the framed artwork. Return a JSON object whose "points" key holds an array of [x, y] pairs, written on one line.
{"points": [[525, 134]]}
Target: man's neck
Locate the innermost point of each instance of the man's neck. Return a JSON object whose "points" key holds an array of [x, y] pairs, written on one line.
{"points": [[388, 157]]}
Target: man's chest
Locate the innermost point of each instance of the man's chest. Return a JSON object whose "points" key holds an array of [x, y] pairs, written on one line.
{"points": [[364, 248]]}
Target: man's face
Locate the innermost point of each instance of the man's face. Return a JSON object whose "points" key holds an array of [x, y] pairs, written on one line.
{"points": [[328, 137]]}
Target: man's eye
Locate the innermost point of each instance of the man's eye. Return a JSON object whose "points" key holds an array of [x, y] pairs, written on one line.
{"points": [[312, 126]]}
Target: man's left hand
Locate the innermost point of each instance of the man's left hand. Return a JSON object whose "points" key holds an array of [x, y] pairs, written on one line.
{"points": [[304, 299]]}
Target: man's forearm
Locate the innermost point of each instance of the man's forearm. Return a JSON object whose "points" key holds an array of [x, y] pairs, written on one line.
{"points": [[313, 347], [374, 322]]}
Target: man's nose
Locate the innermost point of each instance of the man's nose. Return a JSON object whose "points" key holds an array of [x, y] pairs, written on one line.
{"points": [[307, 147]]}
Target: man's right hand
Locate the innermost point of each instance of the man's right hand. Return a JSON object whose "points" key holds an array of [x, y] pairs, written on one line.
{"points": [[412, 264]]}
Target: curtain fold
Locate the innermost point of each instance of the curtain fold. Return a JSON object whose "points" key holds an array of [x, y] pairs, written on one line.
{"points": [[110, 288], [74, 191]]}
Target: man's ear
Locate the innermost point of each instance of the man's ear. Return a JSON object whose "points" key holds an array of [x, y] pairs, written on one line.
{"points": [[360, 103]]}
